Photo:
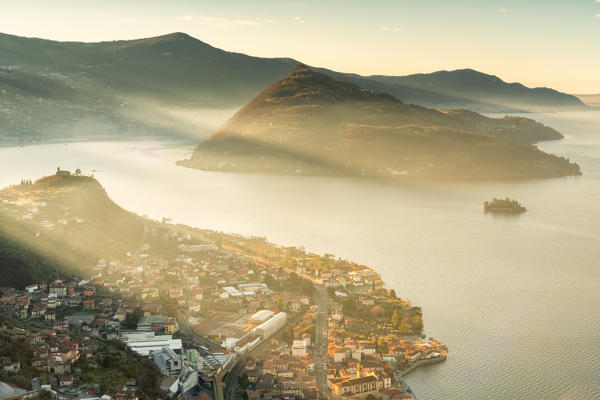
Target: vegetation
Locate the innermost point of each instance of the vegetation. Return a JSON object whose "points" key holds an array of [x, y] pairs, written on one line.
{"points": [[54, 90], [293, 284], [504, 205], [132, 318], [115, 363], [85, 227], [308, 123], [390, 317]]}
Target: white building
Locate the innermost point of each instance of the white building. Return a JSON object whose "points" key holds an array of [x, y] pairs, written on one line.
{"points": [[299, 348], [232, 292], [261, 316], [167, 360], [145, 342], [272, 325]]}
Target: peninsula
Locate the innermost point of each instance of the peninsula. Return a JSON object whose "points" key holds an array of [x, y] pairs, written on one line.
{"points": [[154, 309]]}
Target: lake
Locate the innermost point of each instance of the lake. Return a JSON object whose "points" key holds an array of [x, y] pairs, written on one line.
{"points": [[516, 298]]}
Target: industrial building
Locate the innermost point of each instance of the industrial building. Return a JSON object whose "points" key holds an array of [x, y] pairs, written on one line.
{"points": [[145, 342], [261, 316], [272, 325]]}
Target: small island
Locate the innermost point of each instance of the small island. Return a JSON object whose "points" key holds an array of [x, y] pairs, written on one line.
{"points": [[506, 205]]}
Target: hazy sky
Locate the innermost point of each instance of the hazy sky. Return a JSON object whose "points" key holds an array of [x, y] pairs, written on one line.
{"points": [[552, 43]]}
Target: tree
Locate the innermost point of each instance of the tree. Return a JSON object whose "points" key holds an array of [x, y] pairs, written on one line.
{"points": [[132, 318], [378, 310], [78, 172], [404, 326], [417, 323], [392, 294], [396, 318]]}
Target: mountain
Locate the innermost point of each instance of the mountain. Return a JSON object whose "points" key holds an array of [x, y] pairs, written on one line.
{"points": [[161, 86], [309, 123], [591, 100], [61, 223], [484, 92]]}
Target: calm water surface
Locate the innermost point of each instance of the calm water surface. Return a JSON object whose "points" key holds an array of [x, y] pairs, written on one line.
{"points": [[517, 299]]}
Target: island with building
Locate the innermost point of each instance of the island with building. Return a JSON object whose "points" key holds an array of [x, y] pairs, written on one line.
{"points": [[186, 312], [506, 205]]}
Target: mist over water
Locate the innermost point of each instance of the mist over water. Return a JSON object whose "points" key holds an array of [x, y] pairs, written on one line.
{"points": [[515, 298]]}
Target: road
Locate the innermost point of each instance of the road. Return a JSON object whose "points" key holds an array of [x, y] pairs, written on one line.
{"points": [[321, 341], [231, 381]]}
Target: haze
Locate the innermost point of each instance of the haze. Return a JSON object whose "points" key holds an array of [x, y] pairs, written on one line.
{"points": [[538, 43]]}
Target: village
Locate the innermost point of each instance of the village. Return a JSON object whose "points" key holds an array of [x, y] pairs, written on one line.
{"points": [[209, 315]]}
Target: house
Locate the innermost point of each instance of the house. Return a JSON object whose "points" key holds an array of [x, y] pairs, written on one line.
{"points": [[89, 304], [60, 326], [413, 356], [359, 387], [58, 288], [61, 172], [66, 381], [339, 355], [171, 326], [306, 338], [8, 366], [31, 288], [151, 323], [368, 348], [38, 311], [299, 348]]}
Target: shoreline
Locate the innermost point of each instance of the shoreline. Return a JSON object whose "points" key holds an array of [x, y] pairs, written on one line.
{"points": [[422, 363]]}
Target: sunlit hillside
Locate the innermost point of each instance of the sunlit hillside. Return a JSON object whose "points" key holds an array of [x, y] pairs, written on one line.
{"points": [[309, 123]]}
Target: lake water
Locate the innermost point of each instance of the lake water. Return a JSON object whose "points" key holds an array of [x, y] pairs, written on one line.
{"points": [[517, 299]]}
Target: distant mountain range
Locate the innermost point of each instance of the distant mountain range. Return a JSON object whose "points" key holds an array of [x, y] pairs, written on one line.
{"points": [[467, 88], [591, 100], [309, 123], [59, 90]]}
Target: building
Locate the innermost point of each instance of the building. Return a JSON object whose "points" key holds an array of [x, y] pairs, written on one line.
{"points": [[261, 316], [299, 348], [339, 355], [89, 304], [61, 172], [188, 381], [152, 323], [171, 326], [58, 288], [359, 387], [272, 325], [145, 342], [169, 362]]}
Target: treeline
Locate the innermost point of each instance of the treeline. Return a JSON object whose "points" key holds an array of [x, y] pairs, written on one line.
{"points": [[292, 284], [21, 264], [404, 319]]}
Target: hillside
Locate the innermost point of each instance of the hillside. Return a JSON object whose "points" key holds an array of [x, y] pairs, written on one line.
{"points": [[163, 86], [591, 100], [480, 92], [309, 123], [61, 223]]}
